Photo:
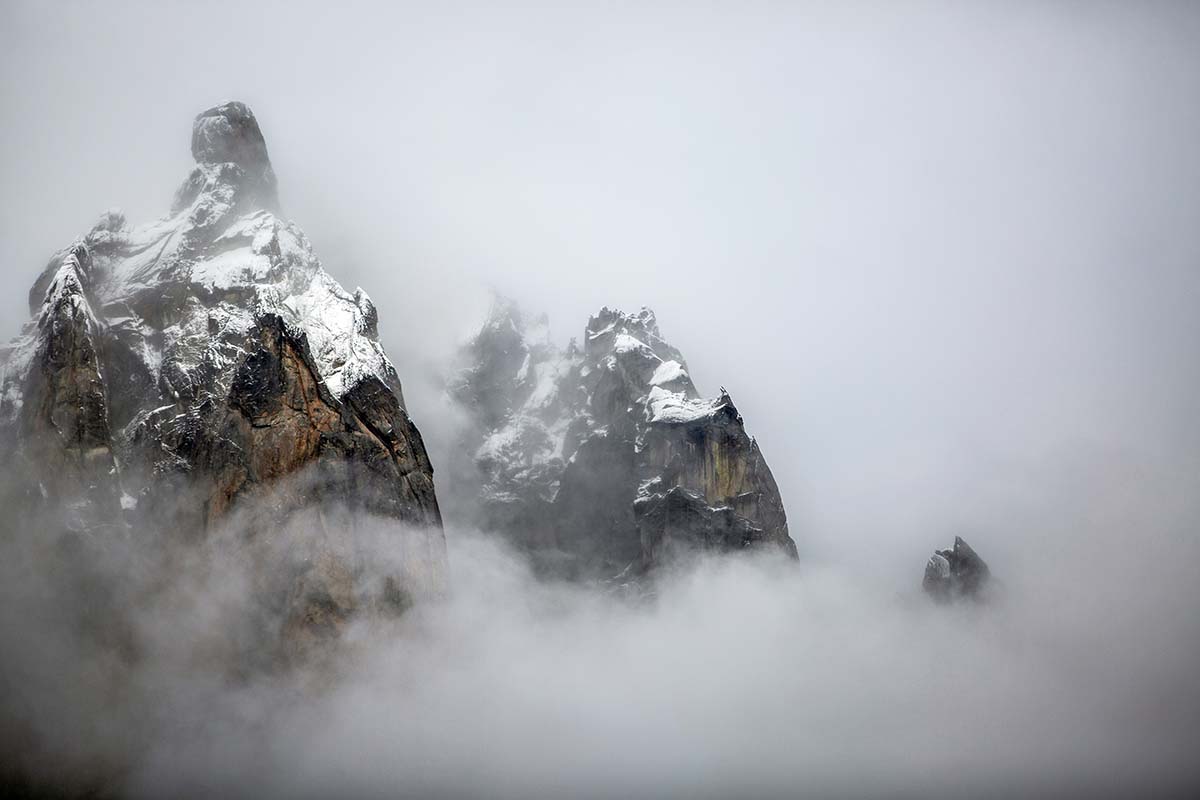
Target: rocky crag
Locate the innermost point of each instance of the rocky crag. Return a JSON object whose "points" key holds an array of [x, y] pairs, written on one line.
{"points": [[602, 460], [956, 573], [202, 366]]}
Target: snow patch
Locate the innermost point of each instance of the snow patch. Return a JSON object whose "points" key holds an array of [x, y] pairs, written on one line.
{"points": [[667, 406], [624, 343], [667, 372]]}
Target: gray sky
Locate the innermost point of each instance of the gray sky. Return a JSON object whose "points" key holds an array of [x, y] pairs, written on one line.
{"points": [[941, 254]]}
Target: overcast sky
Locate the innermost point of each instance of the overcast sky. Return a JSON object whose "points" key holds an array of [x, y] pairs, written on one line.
{"points": [[945, 256]]}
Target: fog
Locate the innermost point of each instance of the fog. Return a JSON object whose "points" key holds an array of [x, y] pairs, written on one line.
{"points": [[739, 677], [943, 256]]}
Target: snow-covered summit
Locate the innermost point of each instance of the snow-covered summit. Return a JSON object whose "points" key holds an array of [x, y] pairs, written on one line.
{"points": [[565, 443], [182, 291]]}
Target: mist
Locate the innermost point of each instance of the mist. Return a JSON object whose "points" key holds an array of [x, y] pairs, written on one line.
{"points": [[739, 675], [943, 256]]}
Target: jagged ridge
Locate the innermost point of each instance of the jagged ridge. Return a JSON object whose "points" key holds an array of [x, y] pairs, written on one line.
{"points": [[604, 459]]}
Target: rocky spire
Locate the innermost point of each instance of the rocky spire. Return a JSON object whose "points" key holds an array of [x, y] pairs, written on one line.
{"points": [[229, 132], [177, 374], [956, 573], [228, 136]]}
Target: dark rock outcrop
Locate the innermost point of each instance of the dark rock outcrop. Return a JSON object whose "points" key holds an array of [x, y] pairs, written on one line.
{"points": [[229, 134], [605, 460], [956, 573], [204, 368]]}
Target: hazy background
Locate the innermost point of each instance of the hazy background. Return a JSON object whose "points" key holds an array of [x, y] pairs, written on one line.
{"points": [[944, 256]]}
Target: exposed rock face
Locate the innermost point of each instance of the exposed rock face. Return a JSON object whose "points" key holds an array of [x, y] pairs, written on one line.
{"points": [[229, 134], [605, 459], [957, 573], [177, 370], [59, 438]]}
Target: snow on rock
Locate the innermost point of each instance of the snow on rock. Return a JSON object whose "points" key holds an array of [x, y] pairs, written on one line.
{"points": [[221, 259], [624, 343], [339, 330], [568, 447], [177, 299], [666, 406], [668, 372], [61, 289]]}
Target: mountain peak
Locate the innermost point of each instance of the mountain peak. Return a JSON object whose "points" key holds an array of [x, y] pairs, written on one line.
{"points": [[605, 460], [176, 370], [229, 134]]}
